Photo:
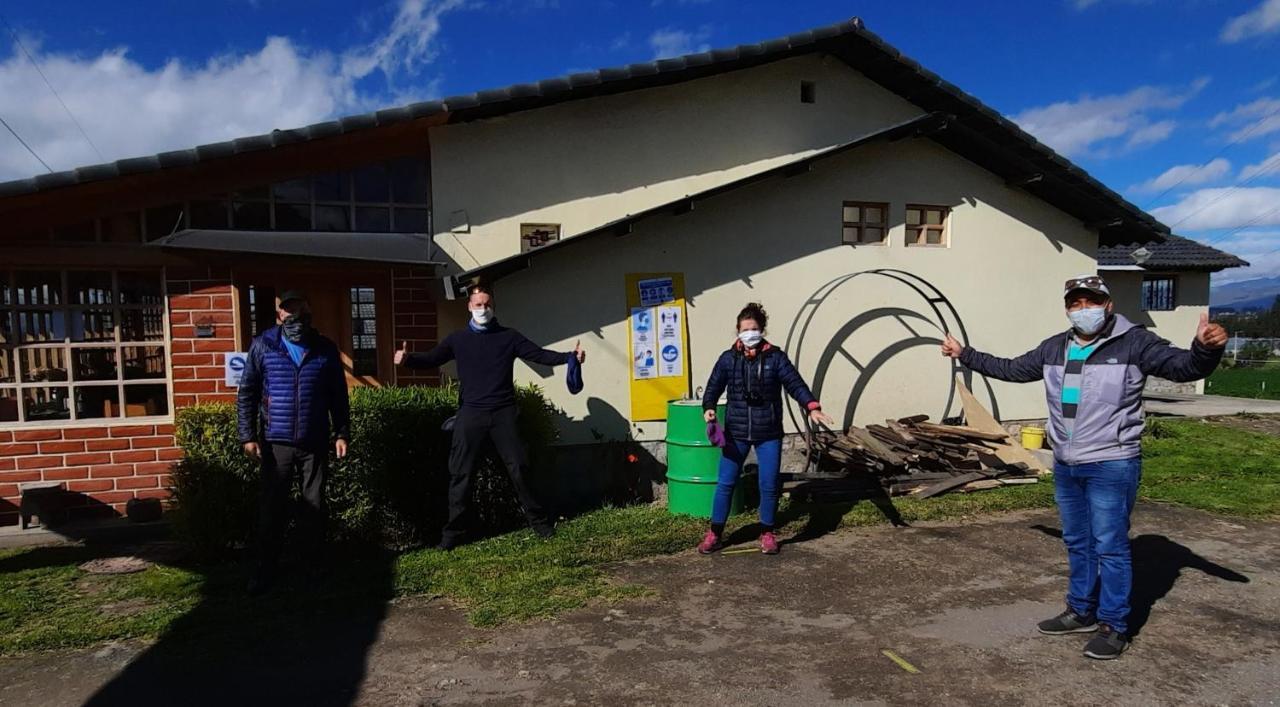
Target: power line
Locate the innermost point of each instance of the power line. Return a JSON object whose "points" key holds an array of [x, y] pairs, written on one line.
{"points": [[24, 144], [1264, 168], [1244, 136], [52, 90]]}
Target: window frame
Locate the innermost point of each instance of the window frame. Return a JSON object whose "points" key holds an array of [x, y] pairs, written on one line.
{"points": [[923, 228], [12, 349], [1171, 295], [862, 224]]}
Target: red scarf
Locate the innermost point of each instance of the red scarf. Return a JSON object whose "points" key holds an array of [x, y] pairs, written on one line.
{"points": [[751, 353]]}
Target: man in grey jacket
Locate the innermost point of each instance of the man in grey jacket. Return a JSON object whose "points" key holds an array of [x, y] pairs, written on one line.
{"points": [[1094, 374]]}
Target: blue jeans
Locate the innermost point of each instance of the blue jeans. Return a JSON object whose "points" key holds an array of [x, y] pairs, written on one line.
{"points": [[1095, 501], [769, 456]]}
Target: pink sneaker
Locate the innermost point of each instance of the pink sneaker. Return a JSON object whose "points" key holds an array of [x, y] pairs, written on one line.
{"points": [[710, 543], [768, 543]]}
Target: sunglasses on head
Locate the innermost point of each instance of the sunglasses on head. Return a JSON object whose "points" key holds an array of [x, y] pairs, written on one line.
{"points": [[1085, 283]]}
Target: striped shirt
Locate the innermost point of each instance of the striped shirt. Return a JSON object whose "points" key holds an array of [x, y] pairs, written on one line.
{"points": [[1077, 354]]}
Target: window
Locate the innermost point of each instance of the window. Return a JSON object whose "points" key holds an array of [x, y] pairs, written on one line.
{"points": [[1158, 293], [927, 225], [376, 198], [536, 235], [808, 92], [864, 223], [364, 332], [82, 345]]}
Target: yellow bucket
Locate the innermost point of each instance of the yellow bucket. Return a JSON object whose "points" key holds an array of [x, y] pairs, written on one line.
{"points": [[1033, 437]]}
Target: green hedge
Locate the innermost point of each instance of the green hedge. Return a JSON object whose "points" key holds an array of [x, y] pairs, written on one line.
{"points": [[391, 488]]}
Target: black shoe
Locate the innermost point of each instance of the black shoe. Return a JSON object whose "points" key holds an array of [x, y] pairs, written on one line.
{"points": [[545, 531], [1107, 645], [1068, 622]]}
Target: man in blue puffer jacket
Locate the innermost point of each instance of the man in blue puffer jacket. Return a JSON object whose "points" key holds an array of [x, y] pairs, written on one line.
{"points": [[292, 394], [1094, 374]]}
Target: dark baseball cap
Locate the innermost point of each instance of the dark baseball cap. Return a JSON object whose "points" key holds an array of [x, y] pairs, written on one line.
{"points": [[292, 295]]}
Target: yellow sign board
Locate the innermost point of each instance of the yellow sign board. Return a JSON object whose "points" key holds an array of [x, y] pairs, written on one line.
{"points": [[658, 343]]}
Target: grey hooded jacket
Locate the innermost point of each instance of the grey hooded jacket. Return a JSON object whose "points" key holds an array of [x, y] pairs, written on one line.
{"points": [[1109, 419]]}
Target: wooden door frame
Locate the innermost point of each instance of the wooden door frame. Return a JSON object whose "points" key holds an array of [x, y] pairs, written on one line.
{"points": [[306, 275]]}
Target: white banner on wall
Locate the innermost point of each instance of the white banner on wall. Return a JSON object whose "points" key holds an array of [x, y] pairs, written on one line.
{"points": [[670, 344], [643, 344]]}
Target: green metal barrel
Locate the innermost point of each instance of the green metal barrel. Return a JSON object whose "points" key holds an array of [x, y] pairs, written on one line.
{"points": [[693, 463]]}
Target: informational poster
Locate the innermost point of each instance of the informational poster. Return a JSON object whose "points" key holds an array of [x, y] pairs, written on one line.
{"points": [[644, 343], [657, 290], [670, 342], [233, 368]]}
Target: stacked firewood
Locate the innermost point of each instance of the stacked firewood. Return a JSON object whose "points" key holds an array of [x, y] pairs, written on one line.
{"points": [[914, 456]]}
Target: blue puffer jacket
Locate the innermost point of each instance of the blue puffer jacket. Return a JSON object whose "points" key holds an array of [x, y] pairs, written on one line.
{"points": [[754, 410], [293, 403]]}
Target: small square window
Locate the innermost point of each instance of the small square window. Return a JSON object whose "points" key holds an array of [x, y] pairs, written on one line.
{"points": [[927, 225], [808, 92], [1159, 294], [864, 223]]}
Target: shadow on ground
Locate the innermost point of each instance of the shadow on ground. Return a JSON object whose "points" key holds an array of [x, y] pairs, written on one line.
{"points": [[1157, 565], [303, 643]]}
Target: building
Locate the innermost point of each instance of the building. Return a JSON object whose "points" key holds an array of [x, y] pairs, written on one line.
{"points": [[126, 285], [1165, 287]]}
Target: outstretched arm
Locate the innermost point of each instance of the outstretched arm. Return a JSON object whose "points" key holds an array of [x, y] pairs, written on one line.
{"points": [[1160, 358], [1022, 369], [435, 358], [528, 351]]}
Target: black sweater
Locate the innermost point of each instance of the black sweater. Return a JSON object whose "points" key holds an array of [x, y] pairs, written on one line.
{"points": [[486, 362]]}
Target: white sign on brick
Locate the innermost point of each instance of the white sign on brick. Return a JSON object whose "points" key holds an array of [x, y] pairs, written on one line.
{"points": [[233, 367]]}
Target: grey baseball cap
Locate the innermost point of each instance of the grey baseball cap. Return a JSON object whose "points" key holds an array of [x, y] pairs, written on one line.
{"points": [[1090, 283]]}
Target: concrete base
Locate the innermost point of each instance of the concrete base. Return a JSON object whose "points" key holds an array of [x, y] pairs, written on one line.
{"points": [[110, 530]]}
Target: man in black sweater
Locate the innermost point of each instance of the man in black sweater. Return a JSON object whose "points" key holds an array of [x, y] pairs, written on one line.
{"points": [[486, 352]]}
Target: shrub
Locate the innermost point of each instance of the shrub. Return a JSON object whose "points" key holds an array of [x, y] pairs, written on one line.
{"points": [[391, 488]]}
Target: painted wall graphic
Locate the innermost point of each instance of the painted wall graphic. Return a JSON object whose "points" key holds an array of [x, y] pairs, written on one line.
{"points": [[658, 340], [889, 325]]}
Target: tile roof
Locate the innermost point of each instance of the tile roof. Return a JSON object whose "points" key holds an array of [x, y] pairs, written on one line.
{"points": [[1175, 253]]}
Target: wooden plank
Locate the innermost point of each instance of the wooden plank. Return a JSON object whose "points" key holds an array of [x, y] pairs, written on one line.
{"points": [[979, 418], [948, 484], [913, 420], [875, 446], [958, 431]]}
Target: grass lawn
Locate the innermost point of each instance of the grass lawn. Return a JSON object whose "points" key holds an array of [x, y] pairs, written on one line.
{"points": [[1246, 382], [46, 602]]}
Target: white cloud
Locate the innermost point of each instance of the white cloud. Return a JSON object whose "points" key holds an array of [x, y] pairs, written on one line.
{"points": [[1261, 248], [1222, 207], [1250, 120], [1268, 168], [1263, 19], [1188, 174], [671, 42], [129, 109], [1100, 125]]}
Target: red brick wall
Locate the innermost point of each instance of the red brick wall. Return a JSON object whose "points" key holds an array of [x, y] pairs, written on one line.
{"points": [[414, 304], [106, 466]]}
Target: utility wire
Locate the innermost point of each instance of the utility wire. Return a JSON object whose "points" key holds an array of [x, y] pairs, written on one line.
{"points": [[1267, 166], [24, 144], [52, 90], [1244, 136]]}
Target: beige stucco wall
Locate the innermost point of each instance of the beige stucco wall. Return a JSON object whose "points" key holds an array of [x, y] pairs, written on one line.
{"points": [[778, 242], [1191, 298], [585, 163]]}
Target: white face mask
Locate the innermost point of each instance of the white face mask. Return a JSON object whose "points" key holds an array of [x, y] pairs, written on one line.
{"points": [[482, 316], [1088, 320], [750, 338]]}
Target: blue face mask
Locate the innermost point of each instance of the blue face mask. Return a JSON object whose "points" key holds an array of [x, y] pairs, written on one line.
{"points": [[1088, 320]]}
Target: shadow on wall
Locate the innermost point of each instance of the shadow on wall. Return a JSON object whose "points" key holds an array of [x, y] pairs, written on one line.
{"points": [[615, 470], [1157, 566], [926, 317]]}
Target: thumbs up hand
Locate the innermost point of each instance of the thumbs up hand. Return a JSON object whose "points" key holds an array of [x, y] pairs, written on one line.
{"points": [[400, 353], [577, 351], [1210, 335]]}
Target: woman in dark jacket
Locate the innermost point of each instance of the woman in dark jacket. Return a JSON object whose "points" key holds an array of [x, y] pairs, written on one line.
{"points": [[754, 372]]}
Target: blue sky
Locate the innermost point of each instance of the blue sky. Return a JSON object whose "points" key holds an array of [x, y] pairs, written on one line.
{"points": [[1173, 103]]}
